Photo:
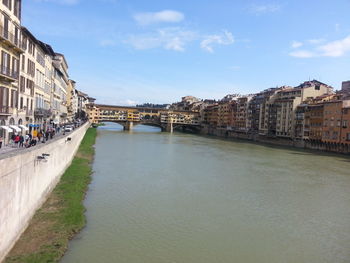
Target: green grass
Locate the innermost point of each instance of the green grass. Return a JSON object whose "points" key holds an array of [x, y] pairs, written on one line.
{"points": [[62, 215]]}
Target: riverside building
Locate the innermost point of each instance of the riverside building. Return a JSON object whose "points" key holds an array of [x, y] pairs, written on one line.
{"points": [[35, 90], [11, 49]]}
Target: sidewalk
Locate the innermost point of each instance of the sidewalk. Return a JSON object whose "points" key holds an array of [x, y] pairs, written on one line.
{"points": [[9, 149]]}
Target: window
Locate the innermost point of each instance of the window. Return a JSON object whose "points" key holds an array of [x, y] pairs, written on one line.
{"points": [[31, 68], [345, 124], [348, 136], [4, 98], [21, 103], [335, 136], [17, 8], [23, 62], [15, 67], [7, 3], [24, 43], [14, 99], [22, 84], [5, 63], [16, 40]]}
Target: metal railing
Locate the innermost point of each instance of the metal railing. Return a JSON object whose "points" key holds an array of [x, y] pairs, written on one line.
{"points": [[42, 112], [6, 110], [6, 34], [4, 70]]}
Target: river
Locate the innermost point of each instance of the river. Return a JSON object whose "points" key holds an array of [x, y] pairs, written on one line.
{"points": [[181, 198]]}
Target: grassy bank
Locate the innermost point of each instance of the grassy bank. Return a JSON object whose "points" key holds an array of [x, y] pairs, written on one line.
{"points": [[62, 215]]}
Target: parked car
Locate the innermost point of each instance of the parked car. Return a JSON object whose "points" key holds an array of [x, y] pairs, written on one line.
{"points": [[68, 128]]}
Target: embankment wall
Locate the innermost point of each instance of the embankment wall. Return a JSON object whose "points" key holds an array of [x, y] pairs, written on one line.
{"points": [[26, 181], [320, 146]]}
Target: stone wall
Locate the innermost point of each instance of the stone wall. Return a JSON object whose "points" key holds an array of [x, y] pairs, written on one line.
{"points": [[26, 181]]}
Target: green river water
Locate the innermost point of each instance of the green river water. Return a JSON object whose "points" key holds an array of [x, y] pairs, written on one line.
{"points": [[181, 198]]}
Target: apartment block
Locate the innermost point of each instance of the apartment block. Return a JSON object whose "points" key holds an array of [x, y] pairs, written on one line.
{"points": [[60, 88], [282, 112], [211, 115], [346, 87], [72, 100], [333, 122], [11, 49], [345, 124]]}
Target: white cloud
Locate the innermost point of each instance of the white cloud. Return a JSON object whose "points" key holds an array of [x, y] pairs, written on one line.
{"points": [[316, 41], [226, 38], [176, 39], [264, 9], [168, 16], [168, 38], [296, 44], [302, 54], [336, 48]]}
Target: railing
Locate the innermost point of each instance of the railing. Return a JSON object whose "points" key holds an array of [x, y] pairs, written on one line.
{"points": [[8, 72], [42, 112], [6, 34], [6, 110]]}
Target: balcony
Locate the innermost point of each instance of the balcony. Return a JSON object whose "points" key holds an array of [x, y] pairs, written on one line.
{"points": [[40, 112], [8, 73], [6, 110], [29, 112], [11, 40]]}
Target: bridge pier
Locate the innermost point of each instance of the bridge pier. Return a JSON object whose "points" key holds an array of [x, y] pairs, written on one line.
{"points": [[169, 127], [128, 126]]}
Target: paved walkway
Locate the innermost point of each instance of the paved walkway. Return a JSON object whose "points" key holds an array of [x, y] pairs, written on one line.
{"points": [[8, 150]]}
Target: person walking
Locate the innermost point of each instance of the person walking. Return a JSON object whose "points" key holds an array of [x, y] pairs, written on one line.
{"points": [[40, 134], [12, 141], [21, 140], [16, 140], [26, 138], [1, 139], [47, 134]]}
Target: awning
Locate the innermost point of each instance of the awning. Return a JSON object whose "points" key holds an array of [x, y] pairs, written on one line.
{"points": [[34, 125], [16, 128], [6, 128], [24, 127]]}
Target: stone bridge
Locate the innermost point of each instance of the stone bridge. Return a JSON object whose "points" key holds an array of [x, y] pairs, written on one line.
{"points": [[167, 120]]}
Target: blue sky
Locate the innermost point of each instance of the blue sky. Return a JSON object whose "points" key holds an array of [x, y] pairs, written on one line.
{"points": [[126, 52]]}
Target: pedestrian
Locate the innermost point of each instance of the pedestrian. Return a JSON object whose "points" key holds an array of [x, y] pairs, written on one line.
{"points": [[16, 140], [35, 133], [26, 138], [21, 140], [51, 134], [47, 134], [1, 139], [13, 137], [39, 136]]}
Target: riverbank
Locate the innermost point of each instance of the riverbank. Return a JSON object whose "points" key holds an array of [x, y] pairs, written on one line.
{"points": [[62, 215], [277, 141]]}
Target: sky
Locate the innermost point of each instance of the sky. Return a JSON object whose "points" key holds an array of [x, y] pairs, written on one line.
{"points": [[125, 52]]}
